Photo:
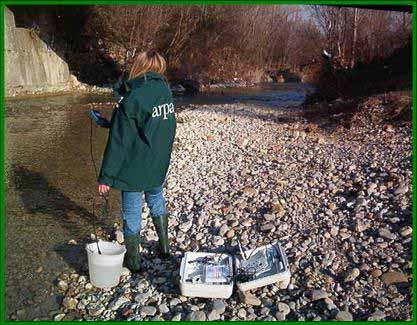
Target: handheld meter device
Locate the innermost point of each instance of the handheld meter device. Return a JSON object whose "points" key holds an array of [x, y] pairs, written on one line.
{"points": [[100, 121]]}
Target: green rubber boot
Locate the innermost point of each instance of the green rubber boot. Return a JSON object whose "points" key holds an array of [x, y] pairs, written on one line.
{"points": [[161, 227], [132, 256]]}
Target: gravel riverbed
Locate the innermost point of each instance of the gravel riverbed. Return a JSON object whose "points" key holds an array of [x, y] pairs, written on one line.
{"points": [[339, 203]]}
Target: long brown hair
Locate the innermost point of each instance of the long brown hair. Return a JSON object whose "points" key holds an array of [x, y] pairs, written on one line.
{"points": [[148, 61]]}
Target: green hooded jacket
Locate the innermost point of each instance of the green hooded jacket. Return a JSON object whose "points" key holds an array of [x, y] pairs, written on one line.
{"points": [[141, 136]]}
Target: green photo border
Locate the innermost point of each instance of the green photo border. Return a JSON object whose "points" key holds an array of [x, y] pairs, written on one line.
{"points": [[3, 3]]}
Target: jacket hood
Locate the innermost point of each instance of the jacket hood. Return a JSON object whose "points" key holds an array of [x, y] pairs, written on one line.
{"points": [[123, 86], [150, 75]]}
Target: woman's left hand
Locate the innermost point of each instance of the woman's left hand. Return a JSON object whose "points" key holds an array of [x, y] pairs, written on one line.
{"points": [[103, 189]]}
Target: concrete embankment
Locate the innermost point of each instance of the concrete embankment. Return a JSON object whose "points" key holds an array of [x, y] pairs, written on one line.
{"points": [[31, 66]]}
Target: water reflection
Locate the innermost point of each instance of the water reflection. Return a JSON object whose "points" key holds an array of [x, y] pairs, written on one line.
{"points": [[49, 188]]}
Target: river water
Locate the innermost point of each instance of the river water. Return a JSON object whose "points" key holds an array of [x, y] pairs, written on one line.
{"points": [[50, 186]]}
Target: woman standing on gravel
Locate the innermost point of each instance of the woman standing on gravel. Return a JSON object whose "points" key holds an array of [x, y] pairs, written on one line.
{"points": [[138, 150]]}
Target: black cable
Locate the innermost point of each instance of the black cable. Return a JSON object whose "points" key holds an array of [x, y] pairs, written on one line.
{"points": [[95, 230], [96, 174], [105, 197], [91, 148]]}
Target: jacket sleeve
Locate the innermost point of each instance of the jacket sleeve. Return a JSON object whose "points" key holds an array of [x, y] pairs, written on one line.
{"points": [[120, 88], [123, 131]]}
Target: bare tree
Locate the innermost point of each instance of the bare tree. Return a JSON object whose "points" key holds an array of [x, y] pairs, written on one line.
{"points": [[355, 37], [221, 42]]}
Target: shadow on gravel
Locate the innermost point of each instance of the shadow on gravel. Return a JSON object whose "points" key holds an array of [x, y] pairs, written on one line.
{"points": [[313, 121], [38, 196], [288, 116]]}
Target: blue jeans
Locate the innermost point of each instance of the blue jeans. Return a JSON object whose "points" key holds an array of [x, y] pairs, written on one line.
{"points": [[132, 204]]}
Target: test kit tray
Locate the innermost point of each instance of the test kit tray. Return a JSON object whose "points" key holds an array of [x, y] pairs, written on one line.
{"points": [[207, 275], [213, 275]]}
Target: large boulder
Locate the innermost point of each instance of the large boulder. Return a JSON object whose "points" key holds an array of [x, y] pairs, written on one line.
{"points": [[285, 76], [257, 76], [190, 85]]}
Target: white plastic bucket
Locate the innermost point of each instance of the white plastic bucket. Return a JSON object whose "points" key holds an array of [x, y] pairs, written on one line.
{"points": [[105, 268]]}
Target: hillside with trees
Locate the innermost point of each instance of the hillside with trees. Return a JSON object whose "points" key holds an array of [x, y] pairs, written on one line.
{"points": [[212, 44]]}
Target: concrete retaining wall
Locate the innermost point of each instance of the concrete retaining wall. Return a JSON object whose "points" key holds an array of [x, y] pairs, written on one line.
{"points": [[30, 65]]}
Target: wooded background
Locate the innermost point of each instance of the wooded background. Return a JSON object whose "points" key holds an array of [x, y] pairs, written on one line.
{"points": [[217, 43]]}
